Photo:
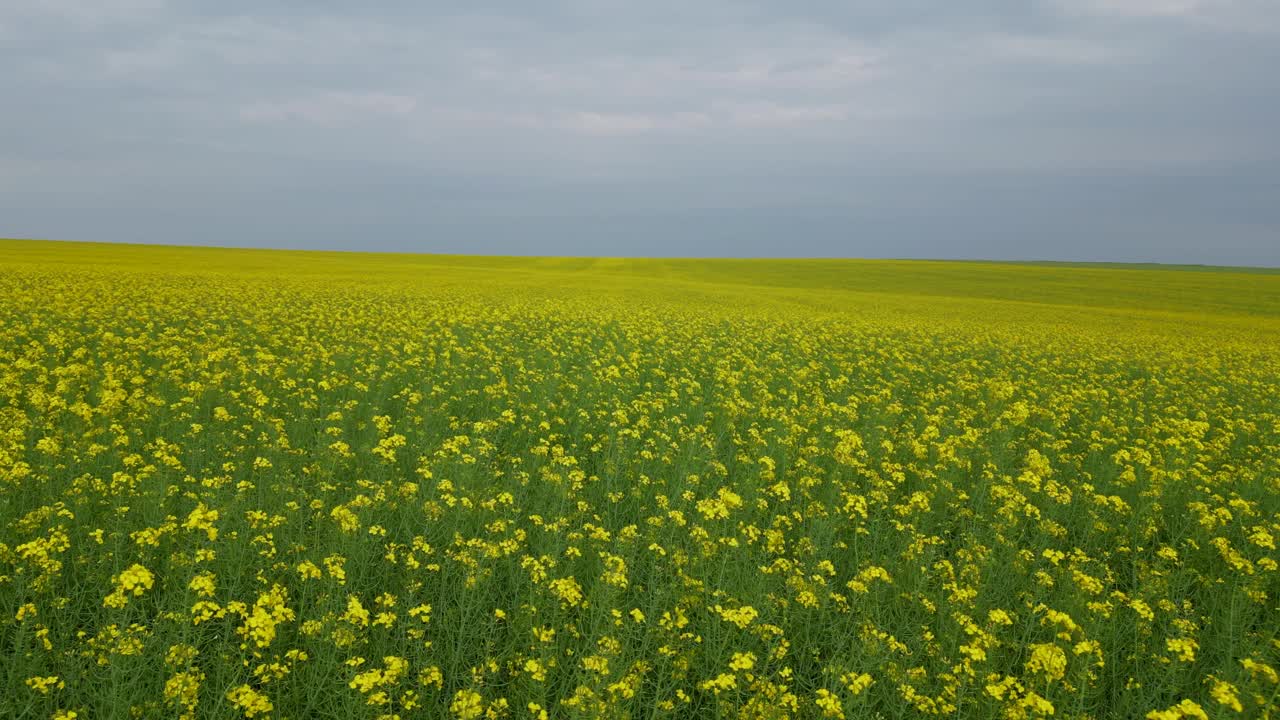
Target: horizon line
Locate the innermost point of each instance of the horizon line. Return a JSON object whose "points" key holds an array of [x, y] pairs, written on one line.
{"points": [[1099, 264]]}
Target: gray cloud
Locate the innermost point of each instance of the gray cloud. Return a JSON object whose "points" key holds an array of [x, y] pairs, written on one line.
{"points": [[1081, 129]]}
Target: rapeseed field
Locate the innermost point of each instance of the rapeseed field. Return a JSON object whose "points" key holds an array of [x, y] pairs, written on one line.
{"points": [[261, 484]]}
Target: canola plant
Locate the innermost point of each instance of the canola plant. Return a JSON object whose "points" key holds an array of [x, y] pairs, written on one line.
{"points": [[267, 484]]}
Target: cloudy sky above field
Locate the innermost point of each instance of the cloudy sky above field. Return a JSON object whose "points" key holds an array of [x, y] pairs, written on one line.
{"points": [[1023, 129]]}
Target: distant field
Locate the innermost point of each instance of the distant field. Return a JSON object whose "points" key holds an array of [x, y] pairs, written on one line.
{"points": [[287, 484]]}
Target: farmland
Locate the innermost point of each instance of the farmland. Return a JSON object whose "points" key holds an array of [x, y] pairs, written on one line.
{"points": [[281, 484]]}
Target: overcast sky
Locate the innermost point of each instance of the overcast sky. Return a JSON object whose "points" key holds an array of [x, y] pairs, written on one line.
{"points": [[1127, 130]]}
